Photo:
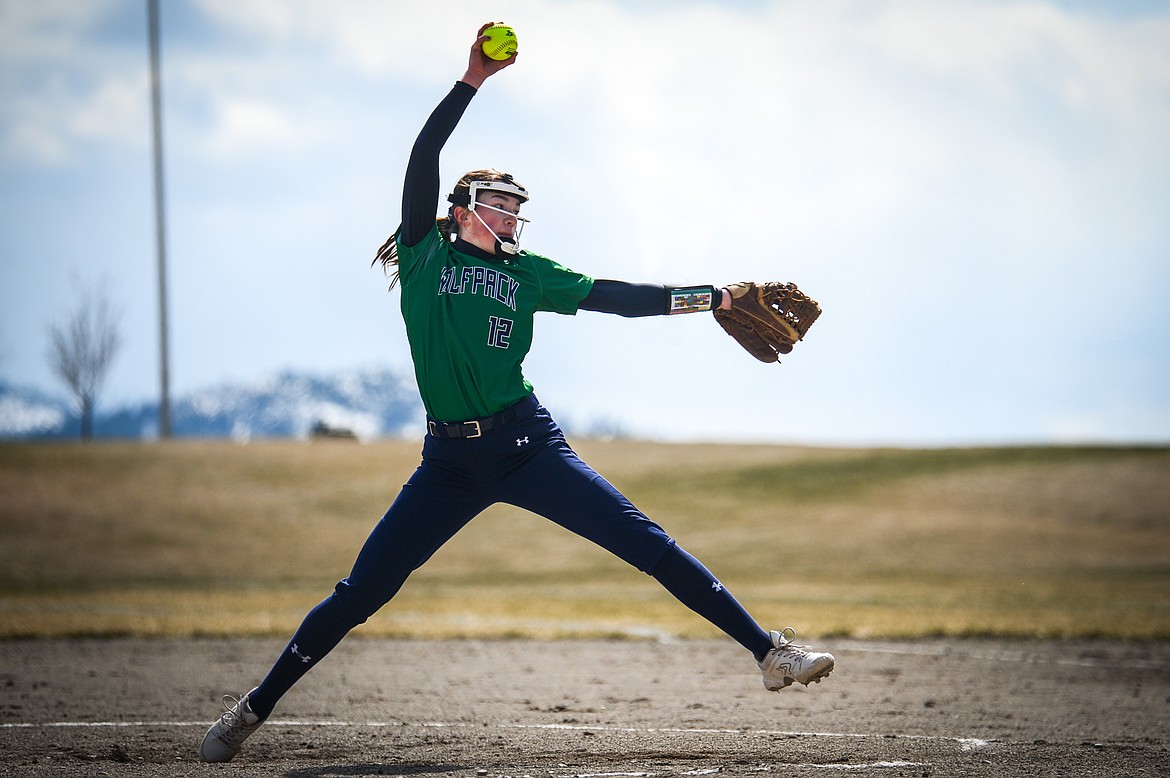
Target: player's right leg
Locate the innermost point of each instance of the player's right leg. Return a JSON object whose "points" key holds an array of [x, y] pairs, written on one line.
{"points": [[424, 516]]}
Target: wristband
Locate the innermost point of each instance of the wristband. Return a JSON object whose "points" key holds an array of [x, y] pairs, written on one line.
{"points": [[691, 299]]}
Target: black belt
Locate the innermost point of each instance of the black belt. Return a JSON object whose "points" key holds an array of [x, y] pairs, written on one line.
{"points": [[474, 428]]}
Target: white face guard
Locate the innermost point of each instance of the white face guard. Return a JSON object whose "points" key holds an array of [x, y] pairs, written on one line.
{"points": [[508, 245]]}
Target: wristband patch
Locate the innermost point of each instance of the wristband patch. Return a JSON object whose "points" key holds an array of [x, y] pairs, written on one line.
{"points": [[691, 299]]}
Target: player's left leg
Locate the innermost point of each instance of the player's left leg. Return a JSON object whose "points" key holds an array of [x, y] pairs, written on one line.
{"points": [[782, 661], [560, 486]]}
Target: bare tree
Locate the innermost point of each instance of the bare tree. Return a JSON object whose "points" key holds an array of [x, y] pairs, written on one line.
{"points": [[82, 349]]}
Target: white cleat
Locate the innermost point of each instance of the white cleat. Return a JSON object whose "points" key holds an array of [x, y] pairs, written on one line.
{"points": [[225, 737], [788, 663]]}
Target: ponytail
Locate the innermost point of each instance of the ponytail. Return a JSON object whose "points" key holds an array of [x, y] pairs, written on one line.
{"points": [[446, 224], [387, 255]]}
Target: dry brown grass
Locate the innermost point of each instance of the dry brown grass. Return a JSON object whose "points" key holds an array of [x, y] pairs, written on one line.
{"points": [[188, 537]]}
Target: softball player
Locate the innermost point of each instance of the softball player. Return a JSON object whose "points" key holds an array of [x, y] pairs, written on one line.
{"points": [[468, 298]]}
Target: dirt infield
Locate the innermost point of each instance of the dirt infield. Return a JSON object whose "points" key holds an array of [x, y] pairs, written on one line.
{"points": [[592, 708]]}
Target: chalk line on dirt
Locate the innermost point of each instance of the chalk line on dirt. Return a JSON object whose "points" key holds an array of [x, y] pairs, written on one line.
{"points": [[966, 743]]}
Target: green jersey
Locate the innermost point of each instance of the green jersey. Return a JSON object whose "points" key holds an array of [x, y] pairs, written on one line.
{"points": [[469, 322]]}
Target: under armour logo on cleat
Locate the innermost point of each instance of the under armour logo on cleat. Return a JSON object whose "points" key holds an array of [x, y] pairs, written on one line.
{"points": [[296, 652], [717, 586], [521, 441]]}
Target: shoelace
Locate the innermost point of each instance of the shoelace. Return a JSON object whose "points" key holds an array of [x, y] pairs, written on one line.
{"points": [[237, 728], [785, 643]]}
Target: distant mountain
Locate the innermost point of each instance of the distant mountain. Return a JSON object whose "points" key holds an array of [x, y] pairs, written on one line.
{"points": [[368, 404], [31, 413]]}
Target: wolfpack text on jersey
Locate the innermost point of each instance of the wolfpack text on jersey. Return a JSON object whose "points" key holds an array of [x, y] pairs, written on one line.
{"points": [[487, 281]]}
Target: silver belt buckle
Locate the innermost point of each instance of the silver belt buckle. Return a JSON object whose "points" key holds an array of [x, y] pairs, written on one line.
{"points": [[478, 429]]}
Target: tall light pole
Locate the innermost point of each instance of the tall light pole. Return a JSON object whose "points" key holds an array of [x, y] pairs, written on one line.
{"points": [[164, 404]]}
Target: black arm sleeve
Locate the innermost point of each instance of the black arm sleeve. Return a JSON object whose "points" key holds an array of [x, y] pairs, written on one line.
{"points": [[626, 299], [420, 191]]}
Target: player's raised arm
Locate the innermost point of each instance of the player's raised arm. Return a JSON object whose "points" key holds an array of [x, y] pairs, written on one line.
{"points": [[420, 189]]}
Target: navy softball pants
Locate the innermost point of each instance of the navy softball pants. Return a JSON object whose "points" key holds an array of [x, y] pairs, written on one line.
{"points": [[527, 463]]}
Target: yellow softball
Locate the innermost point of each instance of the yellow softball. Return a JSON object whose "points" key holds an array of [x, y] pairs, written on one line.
{"points": [[501, 41]]}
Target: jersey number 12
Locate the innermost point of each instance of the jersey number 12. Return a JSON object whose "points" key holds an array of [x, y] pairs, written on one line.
{"points": [[499, 331]]}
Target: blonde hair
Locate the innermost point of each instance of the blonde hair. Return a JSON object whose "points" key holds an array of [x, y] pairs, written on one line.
{"points": [[387, 255]]}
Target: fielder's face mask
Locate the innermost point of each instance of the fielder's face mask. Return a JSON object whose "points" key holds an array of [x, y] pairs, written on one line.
{"points": [[471, 203]]}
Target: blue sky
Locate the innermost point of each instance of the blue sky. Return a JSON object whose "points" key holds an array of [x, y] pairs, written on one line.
{"points": [[978, 193]]}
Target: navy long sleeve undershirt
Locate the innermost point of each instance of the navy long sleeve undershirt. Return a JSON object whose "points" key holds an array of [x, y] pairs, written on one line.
{"points": [[627, 299], [420, 190]]}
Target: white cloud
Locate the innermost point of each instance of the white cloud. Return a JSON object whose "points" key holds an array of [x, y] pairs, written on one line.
{"points": [[409, 41], [115, 111], [47, 30], [60, 86], [28, 138], [243, 127]]}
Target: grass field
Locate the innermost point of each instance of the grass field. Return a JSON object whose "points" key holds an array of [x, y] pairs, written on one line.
{"points": [[193, 538]]}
